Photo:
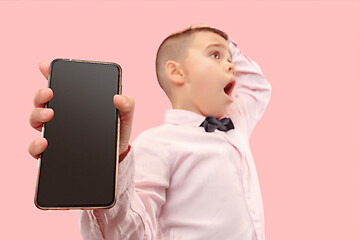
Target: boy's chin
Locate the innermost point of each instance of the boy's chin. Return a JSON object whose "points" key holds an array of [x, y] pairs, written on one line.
{"points": [[220, 113]]}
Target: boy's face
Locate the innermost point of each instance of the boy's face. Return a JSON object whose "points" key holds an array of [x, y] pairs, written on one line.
{"points": [[207, 71]]}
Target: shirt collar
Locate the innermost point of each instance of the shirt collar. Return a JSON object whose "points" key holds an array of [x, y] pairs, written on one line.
{"points": [[183, 117]]}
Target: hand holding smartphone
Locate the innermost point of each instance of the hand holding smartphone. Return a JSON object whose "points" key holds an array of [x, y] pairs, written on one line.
{"points": [[78, 168]]}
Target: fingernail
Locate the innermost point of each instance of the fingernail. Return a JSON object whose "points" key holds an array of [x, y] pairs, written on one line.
{"points": [[126, 100], [38, 142], [44, 112], [44, 92]]}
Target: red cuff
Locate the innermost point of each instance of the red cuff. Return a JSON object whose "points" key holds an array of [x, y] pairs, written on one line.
{"points": [[123, 155]]}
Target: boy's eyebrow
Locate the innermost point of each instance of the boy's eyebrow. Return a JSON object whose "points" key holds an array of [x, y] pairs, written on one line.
{"points": [[219, 45]]}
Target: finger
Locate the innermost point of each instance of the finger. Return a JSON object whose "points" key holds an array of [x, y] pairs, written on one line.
{"points": [[181, 30], [126, 113], [42, 96], [36, 147], [199, 26], [194, 26], [44, 69], [40, 115]]}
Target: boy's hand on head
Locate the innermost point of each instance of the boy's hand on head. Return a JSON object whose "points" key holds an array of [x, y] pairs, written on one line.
{"points": [[39, 115], [194, 26]]}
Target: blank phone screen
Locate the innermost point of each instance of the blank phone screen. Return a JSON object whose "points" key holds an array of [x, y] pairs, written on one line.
{"points": [[78, 167]]}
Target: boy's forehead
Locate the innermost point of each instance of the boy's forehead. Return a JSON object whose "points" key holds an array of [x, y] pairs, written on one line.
{"points": [[204, 39]]}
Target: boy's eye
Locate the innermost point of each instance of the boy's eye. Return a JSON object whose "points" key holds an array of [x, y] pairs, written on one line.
{"points": [[215, 53]]}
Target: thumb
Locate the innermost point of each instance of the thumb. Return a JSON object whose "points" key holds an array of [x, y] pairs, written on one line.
{"points": [[126, 106]]}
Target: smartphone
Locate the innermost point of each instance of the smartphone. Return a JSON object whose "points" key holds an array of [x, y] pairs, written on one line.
{"points": [[78, 169]]}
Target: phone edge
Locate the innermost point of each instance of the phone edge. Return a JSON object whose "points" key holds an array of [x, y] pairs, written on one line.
{"points": [[119, 91]]}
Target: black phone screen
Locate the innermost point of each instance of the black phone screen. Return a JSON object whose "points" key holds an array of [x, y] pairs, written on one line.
{"points": [[79, 166]]}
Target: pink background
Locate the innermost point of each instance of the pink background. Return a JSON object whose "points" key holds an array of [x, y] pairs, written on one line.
{"points": [[306, 146]]}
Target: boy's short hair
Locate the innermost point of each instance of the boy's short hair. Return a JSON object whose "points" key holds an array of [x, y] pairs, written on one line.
{"points": [[175, 47]]}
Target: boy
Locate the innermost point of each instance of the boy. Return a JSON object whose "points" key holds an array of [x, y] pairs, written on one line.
{"points": [[192, 177]]}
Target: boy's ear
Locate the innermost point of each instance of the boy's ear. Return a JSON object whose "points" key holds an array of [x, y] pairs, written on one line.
{"points": [[174, 72]]}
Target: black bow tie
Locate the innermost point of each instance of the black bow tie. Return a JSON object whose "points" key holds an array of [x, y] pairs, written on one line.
{"points": [[211, 123]]}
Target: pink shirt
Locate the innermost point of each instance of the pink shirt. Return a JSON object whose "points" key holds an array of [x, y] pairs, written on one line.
{"points": [[180, 182]]}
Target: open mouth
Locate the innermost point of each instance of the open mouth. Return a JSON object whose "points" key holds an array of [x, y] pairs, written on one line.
{"points": [[229, 87]]}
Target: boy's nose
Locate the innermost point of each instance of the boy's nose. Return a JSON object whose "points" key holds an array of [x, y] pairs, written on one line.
{"points": [[230, 67]]}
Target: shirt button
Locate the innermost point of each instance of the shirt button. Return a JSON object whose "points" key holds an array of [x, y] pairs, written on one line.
{"points": [[252, 209]]}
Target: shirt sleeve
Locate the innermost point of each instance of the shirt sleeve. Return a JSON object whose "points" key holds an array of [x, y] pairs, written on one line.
{"points": [[140, 195], [251, 93]]}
